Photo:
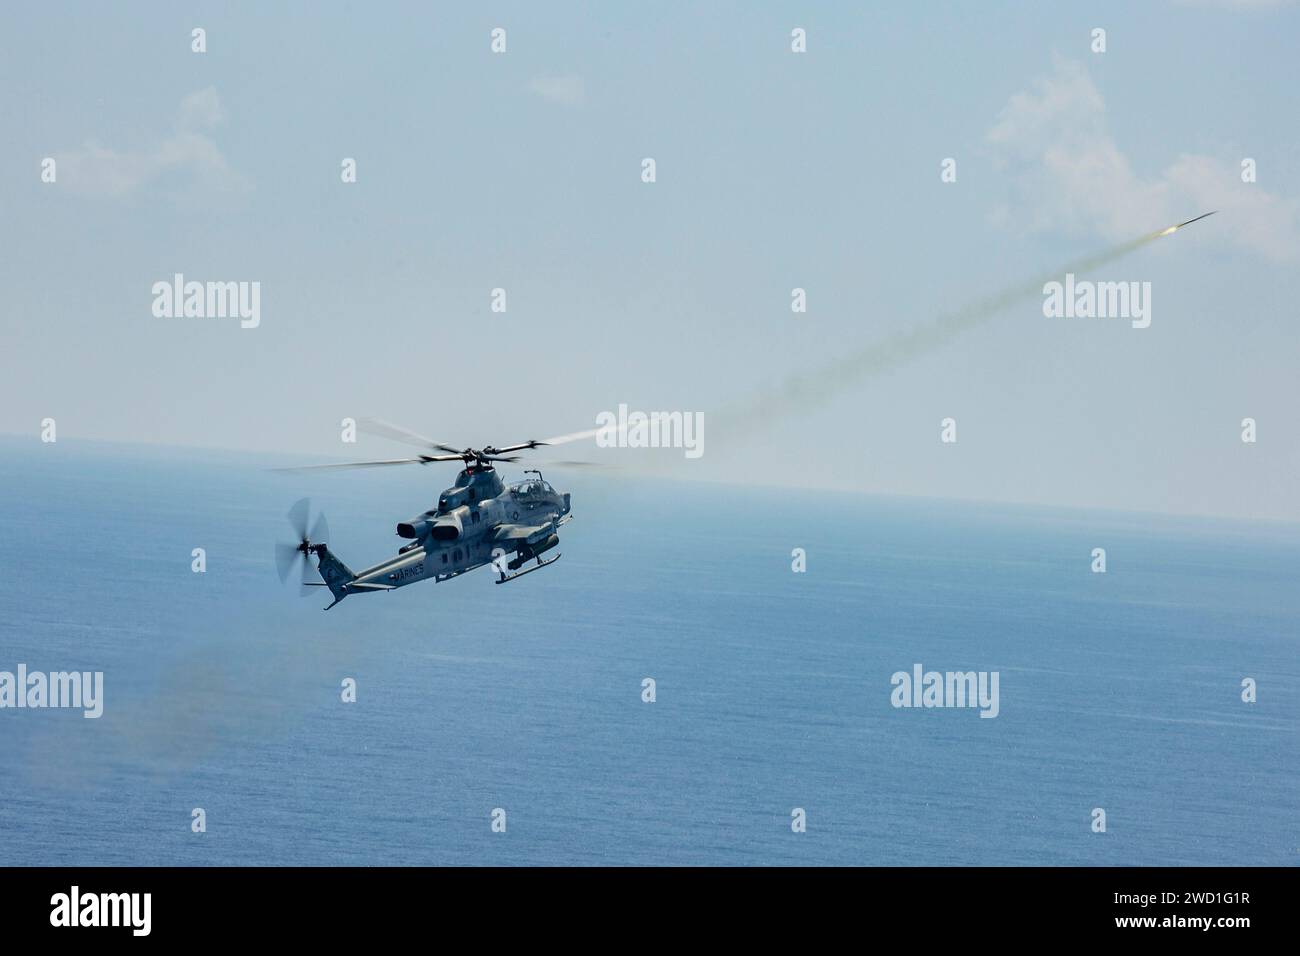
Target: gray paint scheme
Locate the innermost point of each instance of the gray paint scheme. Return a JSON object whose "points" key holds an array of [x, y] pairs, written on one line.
{"points": [[477, 521]]}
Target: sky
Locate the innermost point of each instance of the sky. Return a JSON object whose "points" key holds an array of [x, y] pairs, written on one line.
{"points": [[775, 170]]}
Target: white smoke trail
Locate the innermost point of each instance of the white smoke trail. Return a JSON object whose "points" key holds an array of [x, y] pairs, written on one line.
{"points": [[804, 391]]}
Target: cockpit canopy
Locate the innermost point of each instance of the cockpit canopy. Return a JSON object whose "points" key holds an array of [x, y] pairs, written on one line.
{"points": [[532, 488]]}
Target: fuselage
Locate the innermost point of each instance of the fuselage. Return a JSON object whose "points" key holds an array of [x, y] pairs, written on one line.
{"points": [[477, 521]]}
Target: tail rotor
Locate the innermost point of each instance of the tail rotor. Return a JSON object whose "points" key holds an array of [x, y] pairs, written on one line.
{"points": [[294, 556]]}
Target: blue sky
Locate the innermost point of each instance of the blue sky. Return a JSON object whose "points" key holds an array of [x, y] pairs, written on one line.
{"points": [[775, 170]]}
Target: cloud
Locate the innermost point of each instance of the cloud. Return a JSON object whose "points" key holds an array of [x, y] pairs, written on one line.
{"points": [[98, 170], [1071, 175], [564, 90], [201, 110]]}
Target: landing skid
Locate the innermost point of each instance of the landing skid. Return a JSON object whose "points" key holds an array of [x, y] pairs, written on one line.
{"points": [[519, 574]]}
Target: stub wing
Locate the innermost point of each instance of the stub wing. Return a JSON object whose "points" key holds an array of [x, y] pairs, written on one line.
{"points": [[521, 533]]}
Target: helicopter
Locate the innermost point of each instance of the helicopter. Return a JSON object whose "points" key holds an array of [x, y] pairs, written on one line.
{"points": [[479, 520]]}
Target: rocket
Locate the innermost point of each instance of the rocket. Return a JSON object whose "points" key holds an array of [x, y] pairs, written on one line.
{"points": [[1188, 222]]}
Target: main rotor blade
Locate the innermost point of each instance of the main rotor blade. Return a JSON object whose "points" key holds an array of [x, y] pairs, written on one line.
{"points": [[522, 446], [610, 431], [377, 426], [298, 517], [423, 459], [575, 464], [320, 531]]}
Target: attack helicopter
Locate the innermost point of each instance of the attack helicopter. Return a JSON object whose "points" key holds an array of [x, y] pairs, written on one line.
{"points": [[479, 520]]}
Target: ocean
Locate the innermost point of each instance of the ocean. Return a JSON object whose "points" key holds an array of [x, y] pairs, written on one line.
{"points": [[1119, 691]]}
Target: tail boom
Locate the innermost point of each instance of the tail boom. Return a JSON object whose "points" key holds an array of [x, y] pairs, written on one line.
{"points": [[338, 577]]}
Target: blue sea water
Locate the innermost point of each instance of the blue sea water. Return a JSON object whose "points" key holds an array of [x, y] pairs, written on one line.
{"points": [[222, 690]]}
